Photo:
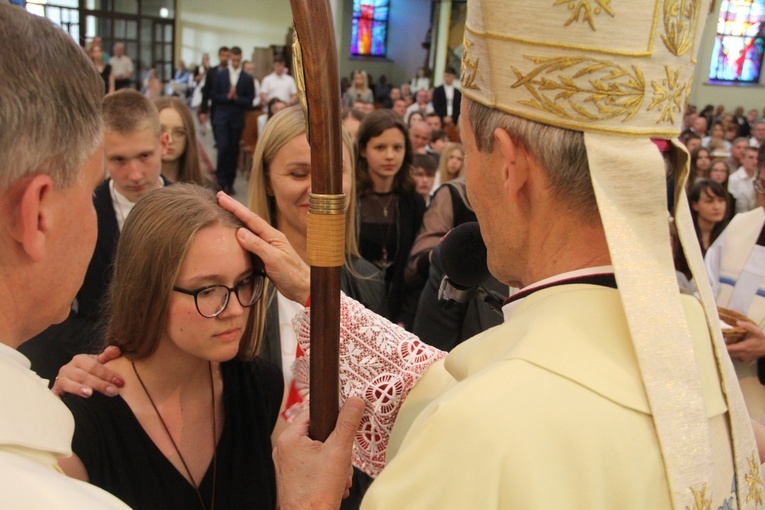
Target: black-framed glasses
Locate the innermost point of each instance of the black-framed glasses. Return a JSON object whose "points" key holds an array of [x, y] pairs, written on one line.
{"points": [[211, 300], [759, 186]]}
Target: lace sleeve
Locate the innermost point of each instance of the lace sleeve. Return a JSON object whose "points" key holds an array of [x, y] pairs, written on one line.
{"points": [[379, 362]]}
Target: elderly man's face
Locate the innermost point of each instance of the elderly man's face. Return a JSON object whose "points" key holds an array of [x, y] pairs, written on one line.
{"points": [[483, 178], [419, 135], [75, 236], [700, 125], [758, 131]]}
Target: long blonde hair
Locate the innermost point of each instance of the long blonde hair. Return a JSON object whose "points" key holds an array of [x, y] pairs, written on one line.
{"points": [[443, 162], [280, 129]]}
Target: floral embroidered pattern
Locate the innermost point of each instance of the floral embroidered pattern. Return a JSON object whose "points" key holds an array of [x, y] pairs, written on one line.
{"points": [[679, 20], [669, 95], [582, 88], [469, 65], [379, 362], [754, 481], [700, 501], [583, 9]]}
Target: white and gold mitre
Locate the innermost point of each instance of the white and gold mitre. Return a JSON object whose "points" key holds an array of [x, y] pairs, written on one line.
{"points": [[620, 71], [610, 66]]}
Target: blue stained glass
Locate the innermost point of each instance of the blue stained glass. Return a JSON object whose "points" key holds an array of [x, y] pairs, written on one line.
{"points": [[738, 49], [369, 29]]}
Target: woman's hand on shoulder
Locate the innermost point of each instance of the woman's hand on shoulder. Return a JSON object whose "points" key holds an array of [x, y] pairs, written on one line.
{"points": [[88, 372]]}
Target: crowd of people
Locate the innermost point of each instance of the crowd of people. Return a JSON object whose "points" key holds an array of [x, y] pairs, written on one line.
{"points": [[182, 314]]}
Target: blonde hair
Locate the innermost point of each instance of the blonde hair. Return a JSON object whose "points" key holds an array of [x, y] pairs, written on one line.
{"points": [[279, 130], [153, 245], [443, 172], [364, 87]]}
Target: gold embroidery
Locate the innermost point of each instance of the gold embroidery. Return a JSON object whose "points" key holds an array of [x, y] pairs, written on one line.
{"points": [[679, 20], [584, 9], [594, 89], [469, 65], [754, 481], [700, 501], [669, 95]]}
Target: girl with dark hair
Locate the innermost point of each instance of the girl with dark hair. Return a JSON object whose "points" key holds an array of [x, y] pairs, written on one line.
{"points": [[701, 160], [719, 172], [709, 204], [390, 208]]}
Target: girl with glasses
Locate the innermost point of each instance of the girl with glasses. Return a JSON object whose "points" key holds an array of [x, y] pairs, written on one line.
{"points": [[192, 425], [180, 160]]}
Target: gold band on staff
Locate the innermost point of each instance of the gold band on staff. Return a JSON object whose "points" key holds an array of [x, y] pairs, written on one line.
{"points": [[326, 230]]}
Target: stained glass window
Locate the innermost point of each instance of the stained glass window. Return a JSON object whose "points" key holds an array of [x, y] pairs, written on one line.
{"points": [[739, 43], [369, 33]]}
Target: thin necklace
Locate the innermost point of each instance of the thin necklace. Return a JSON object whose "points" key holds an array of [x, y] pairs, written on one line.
{"points": [[384, 262], [386, 204], [177, 450]]}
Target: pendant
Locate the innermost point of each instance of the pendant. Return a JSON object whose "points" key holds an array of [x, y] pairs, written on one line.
{"points": [[383, 264]]}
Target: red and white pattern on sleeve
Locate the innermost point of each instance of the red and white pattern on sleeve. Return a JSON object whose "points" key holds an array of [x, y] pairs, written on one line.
{"points": [[380, 362]]}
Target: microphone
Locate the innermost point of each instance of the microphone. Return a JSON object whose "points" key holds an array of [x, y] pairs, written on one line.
{"points": [[463, 258]]}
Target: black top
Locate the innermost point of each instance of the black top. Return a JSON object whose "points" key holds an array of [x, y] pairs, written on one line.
{"points": [[397, 238], [121, 458], [105, 74]]}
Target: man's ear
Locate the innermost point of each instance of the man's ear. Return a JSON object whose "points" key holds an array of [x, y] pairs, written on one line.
{"points": [[512, 160], [34, 215]]}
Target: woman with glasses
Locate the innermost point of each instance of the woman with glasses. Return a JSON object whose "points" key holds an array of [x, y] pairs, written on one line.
{"points": [[192, 425], [180, 160]]}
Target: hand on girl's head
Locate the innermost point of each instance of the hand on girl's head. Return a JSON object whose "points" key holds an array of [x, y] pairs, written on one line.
{"points": [[284, 267]]}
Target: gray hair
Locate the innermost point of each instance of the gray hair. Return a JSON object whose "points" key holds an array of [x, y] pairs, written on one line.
{"points": [[50, 101], [560, 152]]}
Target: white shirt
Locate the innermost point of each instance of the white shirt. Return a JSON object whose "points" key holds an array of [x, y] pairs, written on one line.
{"points": [[233, 75], [123, 206], [449, 92], [283, 87], [256, 100], [414, 107], [35, 429], [121, 65], [287, 339], [741, 186]]}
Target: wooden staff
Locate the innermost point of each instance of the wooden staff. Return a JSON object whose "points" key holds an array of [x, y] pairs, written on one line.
{"points": [[318, 73]]}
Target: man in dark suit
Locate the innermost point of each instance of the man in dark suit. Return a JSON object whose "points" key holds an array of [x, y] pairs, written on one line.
{"points": [[447, 99], [205, 110], [232, 93]]}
